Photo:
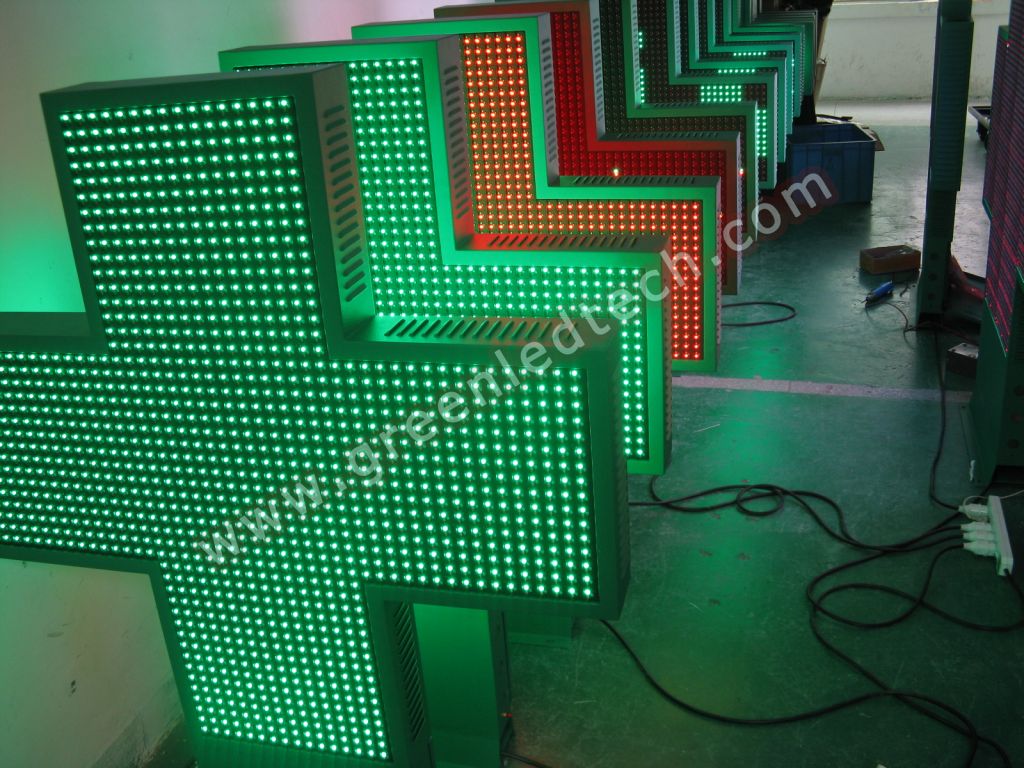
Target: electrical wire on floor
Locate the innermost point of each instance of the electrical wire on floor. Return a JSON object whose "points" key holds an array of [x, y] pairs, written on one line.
{"points": [[764, 500], [943, 397], [934, 328], [942, 533], [757, 323], [927, 325], [815, 714]]}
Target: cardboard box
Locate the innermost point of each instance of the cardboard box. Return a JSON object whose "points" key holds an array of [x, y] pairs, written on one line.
{"points": [[889, 259]]}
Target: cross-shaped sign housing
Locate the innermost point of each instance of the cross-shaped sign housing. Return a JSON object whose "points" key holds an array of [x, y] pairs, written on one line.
{"points": [[232, 362]]}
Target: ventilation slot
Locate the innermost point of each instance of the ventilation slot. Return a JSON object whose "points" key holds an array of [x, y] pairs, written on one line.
{"points": [[547, 75], [350, 261], [408, 660], [595, 46], [471, 328], [535, 242], [455, 126]]}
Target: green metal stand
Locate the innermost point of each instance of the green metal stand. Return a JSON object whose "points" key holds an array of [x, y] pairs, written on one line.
{"points": [[954, 39], [547, 630], [464, 660]]}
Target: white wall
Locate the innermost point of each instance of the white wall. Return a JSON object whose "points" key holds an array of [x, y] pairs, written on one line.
{"points": [[84, 675], [99, 628], [885, 50]]}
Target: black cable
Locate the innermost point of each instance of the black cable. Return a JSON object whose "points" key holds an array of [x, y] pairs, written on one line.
{"points": [[917, 602], [744, 495], [964, 727], [757, 323], [524, 760], [907, 325], [800, 716], [942, 431], [934, 328], [938, 534]]}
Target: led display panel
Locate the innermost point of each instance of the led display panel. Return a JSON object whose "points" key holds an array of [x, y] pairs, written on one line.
{"points": [[585, 149], [236, 417], [489, 163], [505, 197]]}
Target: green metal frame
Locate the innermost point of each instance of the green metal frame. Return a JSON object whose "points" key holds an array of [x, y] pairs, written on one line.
{"points": [[163, 547], [464, 657], [998, 430]]}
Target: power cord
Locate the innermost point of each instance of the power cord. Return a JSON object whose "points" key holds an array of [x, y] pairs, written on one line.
{"points": [[757, 323], [933, 475], [801, 716], [749, 500], [935, 328], [942, 533]]}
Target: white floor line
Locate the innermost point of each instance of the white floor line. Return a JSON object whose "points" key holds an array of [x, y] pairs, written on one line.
{"points": [[816, 388]]}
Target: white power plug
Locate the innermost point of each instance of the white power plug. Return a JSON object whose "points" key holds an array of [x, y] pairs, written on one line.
{"points": [[987, 535]]}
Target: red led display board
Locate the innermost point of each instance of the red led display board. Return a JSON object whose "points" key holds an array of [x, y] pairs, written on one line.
{"points": [[585, 148]]}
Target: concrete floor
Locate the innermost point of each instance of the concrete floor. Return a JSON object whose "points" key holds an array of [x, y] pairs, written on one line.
{"points": [[971, 242], [716, 607]]}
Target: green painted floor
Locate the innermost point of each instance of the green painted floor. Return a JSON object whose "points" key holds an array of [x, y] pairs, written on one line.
{"points": [[716, 606]]}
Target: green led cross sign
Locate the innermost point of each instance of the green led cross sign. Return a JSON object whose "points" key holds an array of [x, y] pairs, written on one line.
{"points": [[234, 417], [796, 28], [673, 64], [717, 46], [584, 148], [516, 191], [427, 254]]}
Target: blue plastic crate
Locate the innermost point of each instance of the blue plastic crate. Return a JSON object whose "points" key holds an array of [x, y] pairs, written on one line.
{"points": [[844, 151]]}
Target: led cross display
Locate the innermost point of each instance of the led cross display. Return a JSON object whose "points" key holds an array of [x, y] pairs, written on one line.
{"points": [[781, 46], [508, 90], [996, 403], [492, 189], [407, 98], [658, 77], [1003, 186], [799, 27], [231, 361], [621, 113], [624, 114], [743, 20], [778, 55], [673, 66], [503, 204], [584, 151]]}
